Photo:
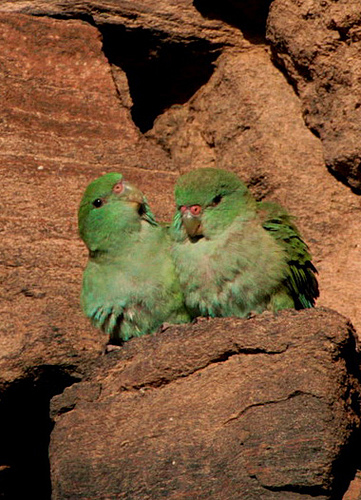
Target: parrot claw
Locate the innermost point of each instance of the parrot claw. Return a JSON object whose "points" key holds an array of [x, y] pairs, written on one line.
{"points": [[164, 326], [111, 348], [201, 319]]}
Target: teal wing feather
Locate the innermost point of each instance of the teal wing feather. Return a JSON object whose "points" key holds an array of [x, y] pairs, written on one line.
{"points": [[301, 280], [146, 214]]}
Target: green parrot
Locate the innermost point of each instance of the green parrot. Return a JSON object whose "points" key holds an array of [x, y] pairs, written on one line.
{"points": [[130, 287], [236, 256]]}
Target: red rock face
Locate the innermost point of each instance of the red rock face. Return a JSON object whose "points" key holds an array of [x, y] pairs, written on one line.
{"points": [[154, 91], [319, 45], [59, 94], [222, 409]]}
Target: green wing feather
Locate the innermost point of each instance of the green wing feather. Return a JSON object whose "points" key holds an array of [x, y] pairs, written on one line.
{"points": [[301, 280], [147, 215]]}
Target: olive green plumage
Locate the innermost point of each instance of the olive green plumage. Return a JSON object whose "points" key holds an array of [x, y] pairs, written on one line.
{"points": [[129, 285], [235, 256]]}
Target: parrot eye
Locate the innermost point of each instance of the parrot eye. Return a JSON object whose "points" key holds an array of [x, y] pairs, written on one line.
{"points": [[118, 188], [216, 200], [195, 209], [98, 203]]}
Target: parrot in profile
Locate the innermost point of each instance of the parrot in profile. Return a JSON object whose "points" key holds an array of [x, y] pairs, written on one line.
{"points": [[130, 287], [236, 256]]}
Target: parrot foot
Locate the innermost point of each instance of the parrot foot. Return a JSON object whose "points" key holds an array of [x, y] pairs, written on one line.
{"points": [[164, 326], [201, 319], [111, 348]]}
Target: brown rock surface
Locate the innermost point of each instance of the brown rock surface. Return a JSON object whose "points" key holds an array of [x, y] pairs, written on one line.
{"points": [[49, 116], [170, 18], [236, 112], [354, 491], [319, 45], [75, 96], [226, 408], [61, 125]]}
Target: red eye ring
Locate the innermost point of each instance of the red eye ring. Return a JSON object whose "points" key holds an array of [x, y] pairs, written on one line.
{"points": [[118, 187], [195, 209], [183, 209]]}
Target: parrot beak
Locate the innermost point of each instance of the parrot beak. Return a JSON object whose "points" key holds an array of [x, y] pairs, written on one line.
{"points": [[132, 194], [192, 224]]}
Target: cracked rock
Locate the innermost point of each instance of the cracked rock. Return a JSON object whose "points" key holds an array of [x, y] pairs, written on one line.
{"points": [[226, 408], [319, 46]]}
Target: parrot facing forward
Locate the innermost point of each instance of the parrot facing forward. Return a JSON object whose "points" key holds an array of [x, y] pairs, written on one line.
{"points": [[129, 284], [236, 256]]}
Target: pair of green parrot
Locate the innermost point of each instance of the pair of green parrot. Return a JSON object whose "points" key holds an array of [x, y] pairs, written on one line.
{"points": [[224, 254]]}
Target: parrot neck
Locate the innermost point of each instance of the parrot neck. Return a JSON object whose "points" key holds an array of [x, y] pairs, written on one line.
{"points": [[119, 246], [115, 250]]}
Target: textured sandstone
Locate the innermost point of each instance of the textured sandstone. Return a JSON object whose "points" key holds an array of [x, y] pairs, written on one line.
{"points": [[319, 45], [170, 18], [78, 91], [222, 409], [60, 115]]}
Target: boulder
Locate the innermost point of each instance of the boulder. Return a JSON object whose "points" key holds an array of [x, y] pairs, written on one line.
{"points": [[224, 408]]}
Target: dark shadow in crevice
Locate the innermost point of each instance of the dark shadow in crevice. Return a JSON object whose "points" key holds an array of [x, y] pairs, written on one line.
{"points": [[346, 465], [340, 171], [348, 462], [249, 17], [25, 433], [160, 72], [66, 16], [278, 63]]}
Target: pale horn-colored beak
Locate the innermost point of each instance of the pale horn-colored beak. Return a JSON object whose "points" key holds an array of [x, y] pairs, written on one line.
{"points": [[192, 224], [132, 193]]}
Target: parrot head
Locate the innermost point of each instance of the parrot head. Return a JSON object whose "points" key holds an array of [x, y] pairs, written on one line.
{"points": [[110, 208], [208, 200]]}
